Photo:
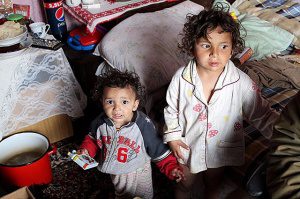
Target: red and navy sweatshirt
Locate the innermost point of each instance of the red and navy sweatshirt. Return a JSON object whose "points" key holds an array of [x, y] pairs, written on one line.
{"points": [[124, 150]]}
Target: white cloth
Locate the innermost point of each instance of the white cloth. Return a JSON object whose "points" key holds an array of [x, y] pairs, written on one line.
{"points": [[37, 84], [214, 131]]}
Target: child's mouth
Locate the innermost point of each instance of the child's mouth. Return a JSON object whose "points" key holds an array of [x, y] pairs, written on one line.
{"points": [[117, 116], [213, 64]]}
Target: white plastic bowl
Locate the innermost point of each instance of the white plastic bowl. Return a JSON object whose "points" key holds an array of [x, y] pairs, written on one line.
{"points": [[14, 40]]}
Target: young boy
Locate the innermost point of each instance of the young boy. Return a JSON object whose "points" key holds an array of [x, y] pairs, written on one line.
{"points": [[125, 138]]}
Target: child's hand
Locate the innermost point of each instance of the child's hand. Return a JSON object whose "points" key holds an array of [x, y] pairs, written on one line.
{"points": [[178, 174], [82, 151], [175, 147]]}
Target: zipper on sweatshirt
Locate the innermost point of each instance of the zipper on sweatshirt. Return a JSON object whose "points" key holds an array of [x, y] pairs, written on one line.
{"points": [[114, 146]]}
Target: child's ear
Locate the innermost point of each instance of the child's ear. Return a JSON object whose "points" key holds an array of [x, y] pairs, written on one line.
{"points": [[136, 105]]}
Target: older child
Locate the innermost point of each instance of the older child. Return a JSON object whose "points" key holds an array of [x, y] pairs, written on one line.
{"points": [[208, 100], [126, 139]]}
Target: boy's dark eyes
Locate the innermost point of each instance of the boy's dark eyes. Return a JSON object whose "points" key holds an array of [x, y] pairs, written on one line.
{"points": [[125, 101], [109, 101]]}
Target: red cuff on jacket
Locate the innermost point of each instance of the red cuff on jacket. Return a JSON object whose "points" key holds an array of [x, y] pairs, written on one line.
{"points": [[90, 145], [167, 165]]}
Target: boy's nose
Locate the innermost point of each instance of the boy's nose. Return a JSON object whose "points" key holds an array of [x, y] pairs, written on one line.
{"points": [[117, 106], [214, 52]]}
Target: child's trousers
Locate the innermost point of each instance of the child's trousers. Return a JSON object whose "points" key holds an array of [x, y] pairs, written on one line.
{"points": [[137, 183]]}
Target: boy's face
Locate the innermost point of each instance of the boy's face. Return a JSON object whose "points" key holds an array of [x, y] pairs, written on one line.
{"points": [[119, 104], [213, 53]]}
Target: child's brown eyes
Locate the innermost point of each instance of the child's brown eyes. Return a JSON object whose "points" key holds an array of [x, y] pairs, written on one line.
{"points": [[224, 46], [109, 102], [125, 102], [205, 46]]}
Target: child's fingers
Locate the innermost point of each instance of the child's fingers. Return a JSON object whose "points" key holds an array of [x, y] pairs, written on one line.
{"points": [[183, 145], [82, 151], [182, 176], [178, 154], [178, 179], [178, 174]]}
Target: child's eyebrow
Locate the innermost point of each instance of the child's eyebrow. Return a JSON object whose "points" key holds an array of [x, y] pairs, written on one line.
{"points": [[202, 39], [124, 98]]}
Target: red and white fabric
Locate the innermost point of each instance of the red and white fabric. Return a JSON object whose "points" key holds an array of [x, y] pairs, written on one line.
{"points": [[108, 11]]}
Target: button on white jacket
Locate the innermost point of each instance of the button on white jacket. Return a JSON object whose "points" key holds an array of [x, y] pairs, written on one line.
{"points": [[214, 131]]}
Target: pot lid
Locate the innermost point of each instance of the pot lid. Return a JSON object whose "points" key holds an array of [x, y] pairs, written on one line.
{"points": [[14, 17]]}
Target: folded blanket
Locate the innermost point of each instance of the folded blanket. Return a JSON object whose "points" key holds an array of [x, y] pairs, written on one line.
{"points": [[273, 72]]}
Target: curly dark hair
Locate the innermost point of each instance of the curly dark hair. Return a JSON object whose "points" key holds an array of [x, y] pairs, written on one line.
{"points": [[116, 79], [198, 26]]}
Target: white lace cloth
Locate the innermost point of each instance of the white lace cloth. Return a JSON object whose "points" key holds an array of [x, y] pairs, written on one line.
{"points": [[36, 85]]}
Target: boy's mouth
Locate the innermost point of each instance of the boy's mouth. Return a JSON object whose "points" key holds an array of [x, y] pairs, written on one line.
{"points": [[117, 116]]}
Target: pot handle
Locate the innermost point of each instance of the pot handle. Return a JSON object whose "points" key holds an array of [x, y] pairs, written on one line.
{"points": [[53, 149]]}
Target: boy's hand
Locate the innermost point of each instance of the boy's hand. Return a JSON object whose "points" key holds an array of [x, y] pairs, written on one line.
{"points": [[175, 147], [82, 151], [178, 174]]}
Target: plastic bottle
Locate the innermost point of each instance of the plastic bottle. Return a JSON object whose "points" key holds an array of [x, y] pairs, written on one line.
{"points": [[56, 18]]}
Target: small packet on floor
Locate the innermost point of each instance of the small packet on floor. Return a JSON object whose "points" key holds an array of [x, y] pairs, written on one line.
{"points": [[84, 161]]}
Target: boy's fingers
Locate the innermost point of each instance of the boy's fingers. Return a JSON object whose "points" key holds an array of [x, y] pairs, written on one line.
{"points": [[179, 174], [178, 179]]}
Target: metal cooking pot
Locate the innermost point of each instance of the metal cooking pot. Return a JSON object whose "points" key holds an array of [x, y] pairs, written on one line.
{"points": [[25, 159]]}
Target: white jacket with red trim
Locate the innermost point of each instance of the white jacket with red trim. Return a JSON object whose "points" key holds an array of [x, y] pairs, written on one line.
{"points": [[214, 131]]}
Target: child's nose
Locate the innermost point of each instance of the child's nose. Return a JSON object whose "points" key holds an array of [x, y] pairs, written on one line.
{"points": [[117, 106], [214, 52]]}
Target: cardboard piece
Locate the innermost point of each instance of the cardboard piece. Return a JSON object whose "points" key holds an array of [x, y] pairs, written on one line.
{"points": [[22, 193], [55, 128]]}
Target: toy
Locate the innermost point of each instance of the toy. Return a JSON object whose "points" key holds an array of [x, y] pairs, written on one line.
{"points": [[84, 161]]}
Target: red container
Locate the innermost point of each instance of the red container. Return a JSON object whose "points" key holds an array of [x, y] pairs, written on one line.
{"points": [[25, 159]]}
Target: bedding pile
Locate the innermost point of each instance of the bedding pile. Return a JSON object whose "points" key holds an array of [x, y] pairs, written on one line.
{"points": [[273, 72], [284, 14], [263, 37]]}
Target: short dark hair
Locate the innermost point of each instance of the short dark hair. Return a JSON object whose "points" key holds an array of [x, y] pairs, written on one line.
{"points": [[116, 79], [197, 26]]}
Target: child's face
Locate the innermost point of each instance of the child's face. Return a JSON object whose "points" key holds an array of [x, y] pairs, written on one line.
{"points": [[119, 104], [213, 53]]}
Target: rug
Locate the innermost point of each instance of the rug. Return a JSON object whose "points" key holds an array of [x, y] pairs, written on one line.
{"points": [[71, 181]]}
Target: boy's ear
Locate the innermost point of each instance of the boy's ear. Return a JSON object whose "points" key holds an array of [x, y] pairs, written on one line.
{"points": [[136, 105]]}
